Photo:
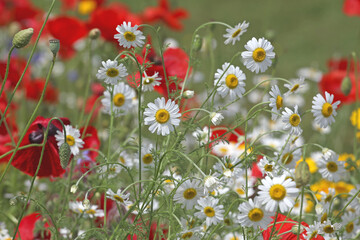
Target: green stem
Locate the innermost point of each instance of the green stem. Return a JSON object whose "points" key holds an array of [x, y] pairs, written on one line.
{"points": [[7, 70]]}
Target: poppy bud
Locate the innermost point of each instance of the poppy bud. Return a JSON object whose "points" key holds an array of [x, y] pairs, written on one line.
{"points": [[188, 94], [197, 44], [54, 45], [64, 154], [22, 38], [302, 174], [94, 33], [346, 85]]}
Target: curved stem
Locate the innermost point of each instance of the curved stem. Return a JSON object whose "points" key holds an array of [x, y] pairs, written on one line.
{"points": [[7, 70]]}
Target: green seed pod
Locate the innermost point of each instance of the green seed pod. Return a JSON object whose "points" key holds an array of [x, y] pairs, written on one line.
{"points": [[64, 154], [346, 85], [302, 174], [197, 44], [54, 45], [94, 33], [22, 38]]}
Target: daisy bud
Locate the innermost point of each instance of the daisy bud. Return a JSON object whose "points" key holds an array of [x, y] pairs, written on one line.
{"points": [[346, 85], [54, 45], [295, 229], [197, 44], [302, 174], [211, 183], [94, 33], [216, 118], [22, 38], [73, 188], [188, 94], [64, 154], [86, 204]]}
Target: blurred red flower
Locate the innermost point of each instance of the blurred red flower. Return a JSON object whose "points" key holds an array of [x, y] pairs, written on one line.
{"points": [[352, 7], [16, 68], [27, 160], [153, 230], [68, 30], [34, 88], [163, 13], [91, 140], [27, 228], [21, 11], [97, 91]]}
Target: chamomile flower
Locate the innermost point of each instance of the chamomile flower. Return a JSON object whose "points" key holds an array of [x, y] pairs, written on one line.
{"points": [[312, 231], [234, 236], [210, 210], [188, 193], [310, 73], [73, 138], [290, 155], [162, 116], [292, 120], [147, 156], [120, 99], [4, 233], [329, 230], [253, 214], [216, 118], [268, 167], [277, 192], [330, 167], [258, 55], [276, 102], [295, 85], [119, 197], [202, 135], [351, 225], [233, 34], [211, 183], [88, 212], [126, 159], [230, 81], [149, 82], [111, 73], [324, 110], [129, 36]]}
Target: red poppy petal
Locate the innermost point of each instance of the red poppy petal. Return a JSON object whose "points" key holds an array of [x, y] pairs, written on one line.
{"points": [[352, 7]]}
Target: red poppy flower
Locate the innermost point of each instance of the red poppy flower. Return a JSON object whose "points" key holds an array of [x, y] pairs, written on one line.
{"points": [[16, 68], [27, 228], [88, 157], [108, 18], [21, 11], [68, 30], [352, 7], [230, 137], [34, 88], [281, 227], [163, 13], [27, 160], [91, 103], [341, 64]]}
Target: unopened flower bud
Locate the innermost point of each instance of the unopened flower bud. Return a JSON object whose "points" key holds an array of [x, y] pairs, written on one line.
{"points": [[86, 204], [73, 188], [346, 85], [148, 46], [54, 45], [295, 229], [302, 174], [197, 44], [64, 154], [13, 201], [188, 94], [216, 118], [211, 183], [22, 38], [94, 33]]}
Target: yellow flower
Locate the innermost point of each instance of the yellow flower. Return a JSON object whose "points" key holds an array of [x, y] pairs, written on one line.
{"points": [[355, 120], [312, 164], [343, 187], [345, 157], [87, 6], [322, 186]]}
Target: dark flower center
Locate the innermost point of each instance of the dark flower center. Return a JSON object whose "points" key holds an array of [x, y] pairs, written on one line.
{"points": [[37, 136]]}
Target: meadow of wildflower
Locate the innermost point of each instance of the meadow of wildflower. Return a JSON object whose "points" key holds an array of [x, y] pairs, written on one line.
{"points": [[169, 119]]}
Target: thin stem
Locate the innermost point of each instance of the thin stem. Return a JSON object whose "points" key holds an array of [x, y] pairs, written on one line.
{"points": [[7, 70]]}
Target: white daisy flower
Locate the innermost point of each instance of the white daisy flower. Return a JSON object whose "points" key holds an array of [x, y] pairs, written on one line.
{"points": [[277, 192], [229, 170], [253, 214], [292, 120], [317, 127], [147, 157], [268, 167], [111, 73], [351, 225], [310, 73], [188, 193], [324, 110], [4, 233], [216, 118], [88, 212], [290, 155], [276, 102], [210, 210], [233, 34], [121, 99], [161, 116], [234, 236], [258, 55], [330, 167], [119, 197], [239, 186], [129, 36], [149, 82], [230, 81], [211, 183], [328, 230], [202, 135], [110, 171], [223, 149], [126, 159], [73, 138], [312, 231], [295, 85], [189, 232], [355, 204]]}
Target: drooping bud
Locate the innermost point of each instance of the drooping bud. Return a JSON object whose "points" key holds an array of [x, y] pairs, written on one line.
{"points": [[346, 85], [295, 229], [64, 154], [197, 44], [86, 204], [73, 188], [188, 94], [22, 38], [302, 174], [54, 45], [94, 33]]}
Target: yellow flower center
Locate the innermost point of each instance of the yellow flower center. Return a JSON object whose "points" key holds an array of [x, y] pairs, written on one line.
{"points": [[349, 227], [129, 36], [162, 116], [112, 72], [70, 140], [268, 167], [332, 166], [294, 88], [240, 191], [328, 229], [277, 192], [122, 160], [294, 119], [90, 211], [313, 235], [234, 238], [119, 99], [327, 110], [190, 193], [209, 211], [149, 81], [237, 32], [118, 198], [279, 102], [227, 221], [259, 55], [187, 235], [147, 158], [328, 198], [229, 166], [231, 81], [287, 158], [256, 214]]}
